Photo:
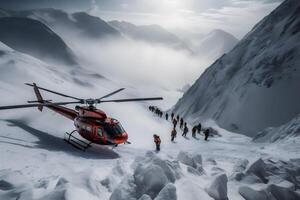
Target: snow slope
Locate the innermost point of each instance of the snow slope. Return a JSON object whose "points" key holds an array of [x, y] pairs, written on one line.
{"points": [[256, 84]]}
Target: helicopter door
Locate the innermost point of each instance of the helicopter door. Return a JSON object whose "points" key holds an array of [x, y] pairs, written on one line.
{"points": [[100, 132]]}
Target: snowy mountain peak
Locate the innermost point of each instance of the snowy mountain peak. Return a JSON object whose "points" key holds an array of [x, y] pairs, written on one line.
{"points": [[215, 44], [256, 85]]}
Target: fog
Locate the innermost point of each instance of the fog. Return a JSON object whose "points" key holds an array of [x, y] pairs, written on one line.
{"points": [[133, 62]]}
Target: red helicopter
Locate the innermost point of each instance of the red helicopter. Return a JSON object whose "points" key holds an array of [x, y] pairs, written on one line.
{"points": [[91, 123]]}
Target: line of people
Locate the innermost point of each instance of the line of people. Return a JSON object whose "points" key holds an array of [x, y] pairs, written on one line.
{"points": [[156, 110], [182, 125]]}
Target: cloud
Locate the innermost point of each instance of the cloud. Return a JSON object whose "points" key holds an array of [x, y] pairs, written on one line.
{"points": [[94, 8]]}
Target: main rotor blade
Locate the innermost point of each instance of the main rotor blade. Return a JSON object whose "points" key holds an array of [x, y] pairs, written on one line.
{"points": [[64, 95], [37, 104], [110, 94], [136, 99]]}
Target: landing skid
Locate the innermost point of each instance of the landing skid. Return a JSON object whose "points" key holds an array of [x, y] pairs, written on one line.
{"points": [[76, 142]]}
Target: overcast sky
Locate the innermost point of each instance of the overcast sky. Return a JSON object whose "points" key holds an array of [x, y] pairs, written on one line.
{"points": [[197, 16]]}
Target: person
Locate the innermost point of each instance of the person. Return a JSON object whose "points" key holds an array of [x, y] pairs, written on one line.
{"points": [[174, 123], [199, 128], [206, 134], [172, 116], [181, 123], [185, 124], [194, 131], [167, 116], [157, 142], [177, 117], [185, 131], [173, 134]]}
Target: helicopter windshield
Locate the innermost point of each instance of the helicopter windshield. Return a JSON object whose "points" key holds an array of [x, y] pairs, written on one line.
{"points": [[115, 129]]}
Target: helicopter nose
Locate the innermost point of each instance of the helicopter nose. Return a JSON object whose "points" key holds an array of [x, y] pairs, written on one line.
{"points": [[121, 139]]}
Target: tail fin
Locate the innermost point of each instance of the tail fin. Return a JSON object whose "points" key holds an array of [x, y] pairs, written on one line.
{"points": [[38, 96]]}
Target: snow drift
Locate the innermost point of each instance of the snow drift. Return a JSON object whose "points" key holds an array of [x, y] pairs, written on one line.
{"points": [[256, 85]]}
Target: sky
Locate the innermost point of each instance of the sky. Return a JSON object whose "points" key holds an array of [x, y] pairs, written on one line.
{"points": [[193, 16]]}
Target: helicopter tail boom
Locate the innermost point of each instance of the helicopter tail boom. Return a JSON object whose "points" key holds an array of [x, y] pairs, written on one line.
{"points": [[38, 96]]}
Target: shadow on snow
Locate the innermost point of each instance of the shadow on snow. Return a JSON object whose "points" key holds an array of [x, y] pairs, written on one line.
{"points": [[52, 143]]}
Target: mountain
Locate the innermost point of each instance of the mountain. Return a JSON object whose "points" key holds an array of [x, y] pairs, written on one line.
{"points": [[149, 33], [215, 44], [290, 130], [255, 85], [34, 38], [78, 23]]}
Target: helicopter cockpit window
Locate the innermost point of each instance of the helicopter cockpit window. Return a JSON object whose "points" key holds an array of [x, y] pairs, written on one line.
{"points": [[100, 132], [115, 129]]}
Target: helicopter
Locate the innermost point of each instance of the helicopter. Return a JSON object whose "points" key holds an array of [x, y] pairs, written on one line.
{"points": [[91, 123]]}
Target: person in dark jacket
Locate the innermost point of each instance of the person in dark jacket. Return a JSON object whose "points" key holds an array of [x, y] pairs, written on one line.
{"points": [[206, 134], [172, 116], [173, 134], [181, 123], [199, 128], [157, 142], [174, 123], [167, 116], [194, 130], [185, 131]]}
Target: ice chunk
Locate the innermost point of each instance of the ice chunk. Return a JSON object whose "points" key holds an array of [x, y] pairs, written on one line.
{"points": [[197, 159], [193, 171], [211, 161], [240, 166], [186, 159], [200, 169], [145, 197], [272, 192], [150, 179], [218, 188], [249, 194], [283, 193], [125, 190], [258, 169], [166, 166], [167, 193]]}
